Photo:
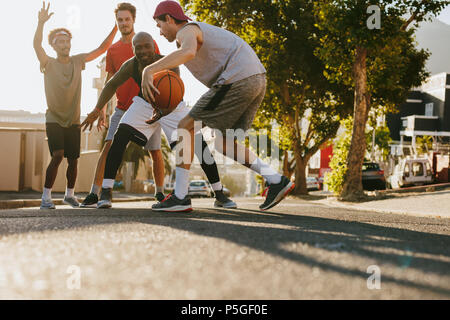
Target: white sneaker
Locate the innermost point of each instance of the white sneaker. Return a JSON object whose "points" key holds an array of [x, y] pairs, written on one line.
{"points": [[71, 201]]}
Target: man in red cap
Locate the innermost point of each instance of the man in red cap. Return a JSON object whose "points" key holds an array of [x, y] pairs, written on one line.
{"points": [[236, 79]]}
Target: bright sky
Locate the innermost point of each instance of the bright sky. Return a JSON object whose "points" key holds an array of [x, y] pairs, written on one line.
{"points": [[22, 84], [90, 21]]}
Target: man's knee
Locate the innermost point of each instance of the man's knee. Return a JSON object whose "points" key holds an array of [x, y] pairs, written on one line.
{"points": [[57, 156]]}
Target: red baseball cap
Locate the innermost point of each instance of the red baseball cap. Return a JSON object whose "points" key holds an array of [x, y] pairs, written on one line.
{"points": [[171, 8]]}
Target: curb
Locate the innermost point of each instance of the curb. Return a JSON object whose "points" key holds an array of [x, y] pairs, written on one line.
{"points": [[424, 188], [30, 203], [334, 203]]}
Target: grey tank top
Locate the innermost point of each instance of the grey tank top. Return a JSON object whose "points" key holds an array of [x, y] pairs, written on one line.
{"points": [[224, 57]]}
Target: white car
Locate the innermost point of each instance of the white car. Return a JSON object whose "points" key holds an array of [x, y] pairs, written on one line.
{"points": [[410, 172], [199, 188], [312, 183]]}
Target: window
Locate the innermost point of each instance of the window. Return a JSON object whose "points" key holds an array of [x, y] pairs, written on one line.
{"points": [[429, 109], [417, 169], [197, 184], [370, 167], [428, 169], [406, 171]]}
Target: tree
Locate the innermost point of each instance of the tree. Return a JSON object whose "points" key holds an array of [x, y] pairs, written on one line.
{"points": [[424, 144], [335, 178], [381, 65], [306, 105]]}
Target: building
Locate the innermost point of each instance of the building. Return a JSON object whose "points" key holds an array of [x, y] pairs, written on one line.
{"points": [[426, 112]]}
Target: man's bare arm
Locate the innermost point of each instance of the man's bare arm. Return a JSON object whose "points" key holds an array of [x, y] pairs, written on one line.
{"points": [[187, 38], [101, 123], [94, 54], [43, 17], [124, 73], [120, 77]]}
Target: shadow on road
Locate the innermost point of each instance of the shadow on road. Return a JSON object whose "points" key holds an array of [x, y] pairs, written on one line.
{"points": [[271, 232]]}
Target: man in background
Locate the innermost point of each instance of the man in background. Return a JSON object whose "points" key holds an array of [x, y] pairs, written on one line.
{"points": [[117, 54]]}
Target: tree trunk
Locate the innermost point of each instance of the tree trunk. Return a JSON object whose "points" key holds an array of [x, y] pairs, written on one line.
{"points": [[287, 170], [352, 188], [300, 174]]}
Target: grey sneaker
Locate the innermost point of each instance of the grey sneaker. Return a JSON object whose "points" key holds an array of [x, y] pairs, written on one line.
{"points": [[105, 201], [71, 201], [173, 204], [222, 201], [47, 204], [276, 192]]}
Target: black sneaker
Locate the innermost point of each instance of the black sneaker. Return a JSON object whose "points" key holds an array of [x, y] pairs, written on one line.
{"points": [[276, 193], [222, 201], [159, 196], [105, 199], [173, 204], [90, 201]]}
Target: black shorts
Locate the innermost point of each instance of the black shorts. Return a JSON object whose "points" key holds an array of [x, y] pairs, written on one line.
{"points": [[67, 139]]}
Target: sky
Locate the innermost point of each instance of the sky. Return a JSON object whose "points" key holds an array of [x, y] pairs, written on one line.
{"points": [[90, 21]]}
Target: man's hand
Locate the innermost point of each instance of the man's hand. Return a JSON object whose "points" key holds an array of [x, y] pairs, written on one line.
{"points": [[43, 15], [101, 122], [89, 121], [157, 114], [147, 86]]}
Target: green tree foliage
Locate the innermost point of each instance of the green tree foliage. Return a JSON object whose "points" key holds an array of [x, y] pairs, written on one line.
{"points": [[424, 144], [306, 105], [381, 65], [136, 154], [237, 188], [338, 164], [382, 140]]}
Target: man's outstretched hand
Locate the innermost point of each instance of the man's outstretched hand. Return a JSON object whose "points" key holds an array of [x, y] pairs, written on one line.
{"points": [[43, 15], [89, 121]]}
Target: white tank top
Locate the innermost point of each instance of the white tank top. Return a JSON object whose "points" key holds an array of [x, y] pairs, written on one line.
{"points": [[223, 58]]}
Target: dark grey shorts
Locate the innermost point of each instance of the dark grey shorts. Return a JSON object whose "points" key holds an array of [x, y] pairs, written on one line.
{"points": [[231, 106]]}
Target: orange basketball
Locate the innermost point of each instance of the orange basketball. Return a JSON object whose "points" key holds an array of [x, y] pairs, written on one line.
{"points": [[171, 89]]}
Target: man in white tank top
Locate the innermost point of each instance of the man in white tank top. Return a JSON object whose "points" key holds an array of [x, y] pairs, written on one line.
{"points": [[231, 70]]}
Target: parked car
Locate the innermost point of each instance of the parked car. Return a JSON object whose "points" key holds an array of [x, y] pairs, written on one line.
{"points": [[410, 172], [373, 177], [312, 183], [199, 188], [321, 180]]}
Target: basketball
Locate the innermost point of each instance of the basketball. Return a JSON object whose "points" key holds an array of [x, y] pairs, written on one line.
{"points": [[171, 89]]}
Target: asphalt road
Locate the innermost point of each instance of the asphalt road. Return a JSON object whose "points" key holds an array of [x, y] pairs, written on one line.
{"points": [[297, 250]]}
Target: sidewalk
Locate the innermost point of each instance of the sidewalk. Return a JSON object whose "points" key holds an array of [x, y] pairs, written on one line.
{"points": [[16, 200], [424, 204]]}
